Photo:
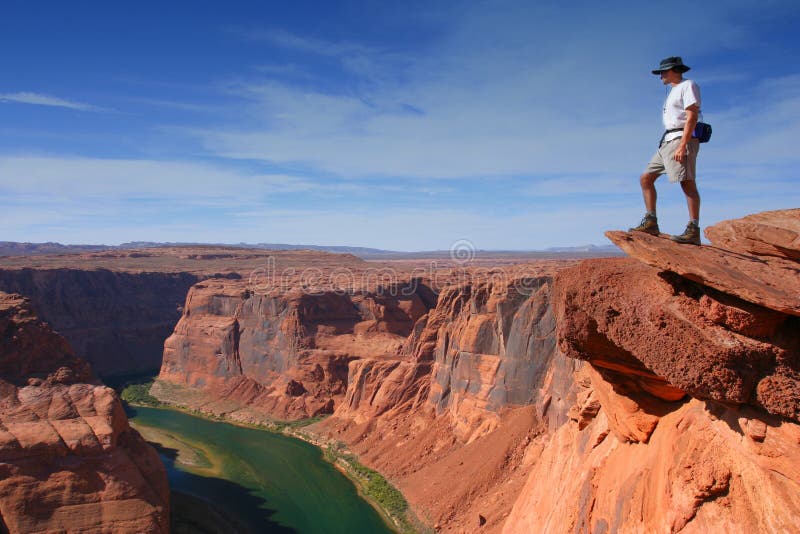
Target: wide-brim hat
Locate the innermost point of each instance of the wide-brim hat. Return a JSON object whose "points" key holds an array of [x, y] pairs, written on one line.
{"points": [[671, 63]]}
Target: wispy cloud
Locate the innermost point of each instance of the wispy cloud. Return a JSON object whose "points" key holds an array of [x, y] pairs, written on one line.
{"points": [[286, 39], [125, 178], [39, 99]]}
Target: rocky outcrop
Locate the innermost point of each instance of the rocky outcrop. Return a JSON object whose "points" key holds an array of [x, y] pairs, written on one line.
{"points": [[670, 431], [69, 462], [672, 336], [705, 468], [116, 320], [770, 282]]}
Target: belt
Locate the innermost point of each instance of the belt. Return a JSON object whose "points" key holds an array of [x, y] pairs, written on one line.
{"points": [[661, 142]]}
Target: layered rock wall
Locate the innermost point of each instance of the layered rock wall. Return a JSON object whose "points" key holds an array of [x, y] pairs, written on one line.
{"points": [[69, 462], [450, 423], [283, 355]]}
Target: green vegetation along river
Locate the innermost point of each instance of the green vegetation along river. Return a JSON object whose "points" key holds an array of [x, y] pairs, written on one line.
{"points": [[257, 481]]}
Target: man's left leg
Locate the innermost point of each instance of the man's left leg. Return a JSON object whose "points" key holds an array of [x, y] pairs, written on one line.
{"points": [[692, 233], [692, 199], [688, 173]]}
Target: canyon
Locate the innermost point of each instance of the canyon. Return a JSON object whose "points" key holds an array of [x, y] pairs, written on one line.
{"points": [[654, 393]]}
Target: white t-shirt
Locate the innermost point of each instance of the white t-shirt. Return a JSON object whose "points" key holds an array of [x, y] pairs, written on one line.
{"points": [[679, 98]]}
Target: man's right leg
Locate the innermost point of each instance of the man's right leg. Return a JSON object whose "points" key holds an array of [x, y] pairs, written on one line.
{"points": [[648, 183]]}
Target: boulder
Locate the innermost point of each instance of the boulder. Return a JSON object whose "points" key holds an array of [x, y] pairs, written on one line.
{"points": [[770, 233], [672, 336]]}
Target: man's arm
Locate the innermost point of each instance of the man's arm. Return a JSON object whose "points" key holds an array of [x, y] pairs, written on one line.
{"points": [[692, 114]]}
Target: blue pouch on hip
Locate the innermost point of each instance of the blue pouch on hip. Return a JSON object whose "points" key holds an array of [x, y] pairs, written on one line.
{"points": [[702, 132]]}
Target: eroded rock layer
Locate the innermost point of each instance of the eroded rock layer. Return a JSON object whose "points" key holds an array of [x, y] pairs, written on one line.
{"points": [[69, 462], [282, 355], [673, 335], [771, 233]]}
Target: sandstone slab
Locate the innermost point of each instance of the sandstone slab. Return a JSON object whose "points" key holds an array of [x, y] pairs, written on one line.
{"points": [[767, 281]]}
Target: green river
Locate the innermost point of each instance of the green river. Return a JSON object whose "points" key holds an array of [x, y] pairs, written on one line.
{"points": [[254, 480]]}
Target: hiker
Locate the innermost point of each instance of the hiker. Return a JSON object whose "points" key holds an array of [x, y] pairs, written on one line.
{"points": [[677, 151]]}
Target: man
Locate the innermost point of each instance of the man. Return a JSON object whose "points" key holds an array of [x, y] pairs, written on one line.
{"points": [[677, 152]]}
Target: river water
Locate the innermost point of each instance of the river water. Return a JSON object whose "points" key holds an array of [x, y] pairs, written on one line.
{"points": [[259, 480]]}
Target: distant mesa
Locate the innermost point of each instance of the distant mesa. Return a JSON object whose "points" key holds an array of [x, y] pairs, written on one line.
{"points": [[13, 248]]}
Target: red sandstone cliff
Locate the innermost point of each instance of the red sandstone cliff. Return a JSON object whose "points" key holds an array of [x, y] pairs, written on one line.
{"points": [[283, 355], [69, 462]]}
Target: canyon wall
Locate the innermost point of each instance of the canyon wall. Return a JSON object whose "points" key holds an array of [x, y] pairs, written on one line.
{"points": [[254, 356], [69, 462], [116, 320]]}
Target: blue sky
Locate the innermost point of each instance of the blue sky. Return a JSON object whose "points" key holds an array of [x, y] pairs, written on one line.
{"points": [[407, 126]]}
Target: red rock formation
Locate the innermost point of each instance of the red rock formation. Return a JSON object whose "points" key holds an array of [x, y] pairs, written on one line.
{"points": [[282, 355], [452, 421], [705, 468], [667, 332], [767, 281], [771, 233], [637, 458], [607, 396], [68, 460], [658, 424]]}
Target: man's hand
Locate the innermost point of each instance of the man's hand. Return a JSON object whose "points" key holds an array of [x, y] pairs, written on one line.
{"points": [[681, 152]]}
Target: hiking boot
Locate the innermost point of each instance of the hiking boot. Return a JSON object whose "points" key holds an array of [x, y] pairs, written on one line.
{"points": [[690, 236], [649, 225]]}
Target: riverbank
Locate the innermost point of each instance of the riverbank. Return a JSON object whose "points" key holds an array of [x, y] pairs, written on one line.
{"points": [[371, 486]]}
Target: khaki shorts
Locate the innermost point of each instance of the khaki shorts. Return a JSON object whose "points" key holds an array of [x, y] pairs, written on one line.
{"points": [[663, 161]]}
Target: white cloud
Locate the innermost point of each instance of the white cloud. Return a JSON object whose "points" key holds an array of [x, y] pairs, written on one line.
{"points": [[512, 90], [287, 39], [39, 99], [100, 182]]}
